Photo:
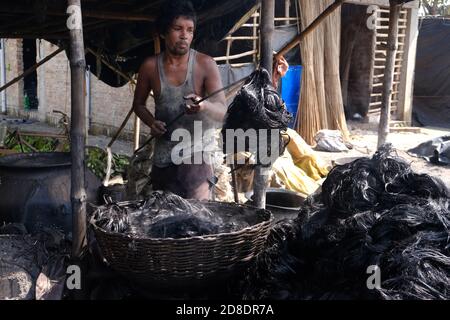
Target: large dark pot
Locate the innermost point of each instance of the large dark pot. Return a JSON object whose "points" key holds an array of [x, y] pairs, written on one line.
{"points": [[35, 190], [284, 204]]}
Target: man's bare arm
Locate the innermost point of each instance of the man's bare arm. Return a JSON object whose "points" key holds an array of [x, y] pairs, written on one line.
{"points": [[141, 93], [215, 107]]}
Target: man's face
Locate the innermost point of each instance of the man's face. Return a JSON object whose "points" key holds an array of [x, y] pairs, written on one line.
{"points": [[179, 36]]}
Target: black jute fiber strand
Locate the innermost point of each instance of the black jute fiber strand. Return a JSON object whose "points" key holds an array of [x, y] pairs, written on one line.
{"points": [[165, 215], [371, 212], [257, 105]]}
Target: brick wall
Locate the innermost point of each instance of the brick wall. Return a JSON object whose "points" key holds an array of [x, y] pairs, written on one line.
{"points": [[109, 105]]}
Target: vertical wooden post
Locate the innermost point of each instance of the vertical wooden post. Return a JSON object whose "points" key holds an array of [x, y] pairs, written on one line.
{"points": [[392, 44], [255, 41], [229, 41], [406, 87], [77, 130], [267, 26], [287, 7]]}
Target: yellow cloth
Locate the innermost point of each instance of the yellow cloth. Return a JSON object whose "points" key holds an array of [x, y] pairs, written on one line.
{"points": [[305, 158], [299, 169], [288, 176]]}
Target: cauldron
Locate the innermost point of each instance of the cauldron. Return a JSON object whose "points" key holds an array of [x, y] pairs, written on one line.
{"points": [[35, 190]]}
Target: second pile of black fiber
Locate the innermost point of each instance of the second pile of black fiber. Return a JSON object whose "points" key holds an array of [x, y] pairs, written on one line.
{"points": [[371, 212], [163, 215], [257, 105]]}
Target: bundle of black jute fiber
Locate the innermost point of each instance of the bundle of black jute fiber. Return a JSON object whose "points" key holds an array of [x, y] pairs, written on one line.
{"points": [[376, 231], [257, 105], [162, 215]]}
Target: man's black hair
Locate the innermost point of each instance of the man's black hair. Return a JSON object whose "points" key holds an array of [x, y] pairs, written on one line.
{"points": [[173, 9]]}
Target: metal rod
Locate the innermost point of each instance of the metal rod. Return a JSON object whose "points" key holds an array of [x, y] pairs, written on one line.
{"points": [[168, 125], [31, 69], [77, 130]]}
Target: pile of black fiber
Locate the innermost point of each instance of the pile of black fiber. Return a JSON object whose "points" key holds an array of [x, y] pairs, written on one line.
{"points": [[257, 105], [375, 219], [162, 215]]}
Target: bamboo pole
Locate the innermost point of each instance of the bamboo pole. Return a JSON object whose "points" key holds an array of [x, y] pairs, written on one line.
{"points": [[240, 55], [333, 90], [319, 62], [308, 120], [287, 5], [383, 129], [31, 69], [295, 41], [77, 132], [267, 27], [255, 40]]}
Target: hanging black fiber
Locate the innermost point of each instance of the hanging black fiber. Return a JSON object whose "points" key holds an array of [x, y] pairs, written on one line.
{"points": [[257, 105]]}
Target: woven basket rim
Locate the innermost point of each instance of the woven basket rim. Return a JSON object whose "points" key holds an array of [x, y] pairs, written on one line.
{"points": [[204, 237]]}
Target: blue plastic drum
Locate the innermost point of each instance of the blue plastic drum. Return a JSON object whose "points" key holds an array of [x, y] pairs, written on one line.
{"points": [[290, 90]]}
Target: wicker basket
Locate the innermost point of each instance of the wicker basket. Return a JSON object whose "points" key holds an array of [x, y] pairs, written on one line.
{"points": [[184, 261]]}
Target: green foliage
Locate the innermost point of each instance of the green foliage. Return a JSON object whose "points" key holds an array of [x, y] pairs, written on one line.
{"points": [[40, 144], [97, 158]]}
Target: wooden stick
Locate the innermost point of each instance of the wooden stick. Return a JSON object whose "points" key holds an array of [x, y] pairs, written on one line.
{"points": [[287, 5], [31, 69], [267, 27], [383, 129], [234, 183], [77, 134], [240, 55], [309, 29], [43, 134], [255, 41]]}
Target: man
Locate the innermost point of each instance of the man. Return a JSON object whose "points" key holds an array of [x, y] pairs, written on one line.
{"points": [[179, 77]]}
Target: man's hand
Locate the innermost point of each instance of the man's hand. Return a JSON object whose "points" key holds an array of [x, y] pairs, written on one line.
{"points": [[158, 128], [192, 105], [280, 68]]}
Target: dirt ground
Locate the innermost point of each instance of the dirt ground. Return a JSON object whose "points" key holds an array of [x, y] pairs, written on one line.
{"points": [[364, 137]]}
